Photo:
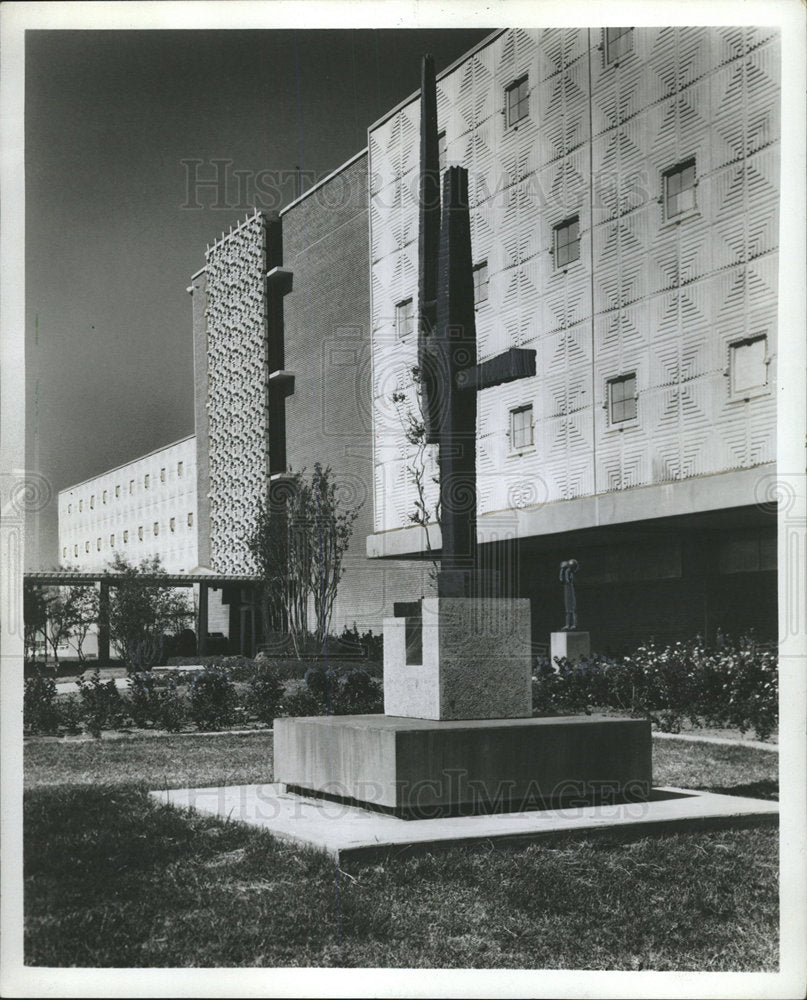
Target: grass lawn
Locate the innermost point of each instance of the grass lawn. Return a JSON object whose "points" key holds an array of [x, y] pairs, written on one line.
{"points": [[113, 879]]}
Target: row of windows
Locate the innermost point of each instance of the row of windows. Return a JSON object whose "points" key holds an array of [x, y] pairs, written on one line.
{"points": [[172, 524], [678, 198], [747, 372], [105, 493]]}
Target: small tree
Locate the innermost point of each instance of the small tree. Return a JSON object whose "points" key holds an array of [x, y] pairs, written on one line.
{"points": [[414, 430], [62, 616], [142, 607], [34, 617], [86, 604], [299, 545]]}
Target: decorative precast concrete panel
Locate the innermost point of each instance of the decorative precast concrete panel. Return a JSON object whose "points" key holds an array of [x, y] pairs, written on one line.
{"points": [[236, 318], [662, 166]]}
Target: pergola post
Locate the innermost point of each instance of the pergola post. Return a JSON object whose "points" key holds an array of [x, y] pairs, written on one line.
{"points": [[202, 630], [103, 622]]}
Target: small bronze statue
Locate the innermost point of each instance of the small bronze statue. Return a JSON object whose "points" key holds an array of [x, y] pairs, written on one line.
{"points": [[568, 569]]}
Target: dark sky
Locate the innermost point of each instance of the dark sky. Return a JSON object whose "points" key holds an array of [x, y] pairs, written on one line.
{"points": [[112, 239]]}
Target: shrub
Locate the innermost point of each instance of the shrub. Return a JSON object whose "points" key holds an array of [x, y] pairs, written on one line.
{"points": [[301, 703], [171, 710], [70, 714], [359, 694], [146, 652], [212, 699], [353, 692], [735, 685], [40, 712], [143, 698], [264, 694], [101, 703]]}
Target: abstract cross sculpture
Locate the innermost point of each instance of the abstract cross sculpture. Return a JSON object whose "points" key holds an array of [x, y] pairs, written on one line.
{"points": [[450, 374]]}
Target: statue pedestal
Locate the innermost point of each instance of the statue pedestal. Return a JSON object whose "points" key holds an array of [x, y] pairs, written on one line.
{"points": [[571, 645], [460, 658], [458, 736]]}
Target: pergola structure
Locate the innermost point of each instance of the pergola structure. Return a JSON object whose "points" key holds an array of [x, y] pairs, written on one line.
{"points": [[204, 580]]}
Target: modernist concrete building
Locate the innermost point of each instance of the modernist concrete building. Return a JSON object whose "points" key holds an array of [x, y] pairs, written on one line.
{"points": [[281, 319], [624, 213], [624, 224], [142, 509]]}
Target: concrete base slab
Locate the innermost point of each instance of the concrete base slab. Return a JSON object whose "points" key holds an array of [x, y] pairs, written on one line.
{"points": [[418, 768], [355, 834]]}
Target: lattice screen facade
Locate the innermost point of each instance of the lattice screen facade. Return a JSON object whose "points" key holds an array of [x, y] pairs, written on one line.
{"points": [[236, 321], [662, 298]]}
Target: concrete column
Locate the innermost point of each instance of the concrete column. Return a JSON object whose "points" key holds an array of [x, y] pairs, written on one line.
{"points": [[103, 623], [202, 630]]}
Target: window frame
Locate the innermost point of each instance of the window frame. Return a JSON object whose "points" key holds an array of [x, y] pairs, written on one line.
{"points": [[750, 392], [477, 268], [518, 449], [410, 318], [557, 229], [613, 59], [610, 383], [521, 101], [673, 171]]}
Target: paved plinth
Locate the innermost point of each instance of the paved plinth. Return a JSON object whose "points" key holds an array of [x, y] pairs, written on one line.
{"points": [[572, 646], [460, 658], [420, 767], [351, 833]]}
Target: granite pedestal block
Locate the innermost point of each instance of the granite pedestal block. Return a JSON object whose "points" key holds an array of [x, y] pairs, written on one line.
{"points": [[461, 658], [571, 645], [418, 768]]}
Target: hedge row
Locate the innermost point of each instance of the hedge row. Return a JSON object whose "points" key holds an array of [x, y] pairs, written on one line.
{"points": [[212, 700], [733, 685]]}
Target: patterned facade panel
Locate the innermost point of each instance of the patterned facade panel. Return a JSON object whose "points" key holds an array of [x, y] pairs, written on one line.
{"points": [[669, 296], [237, 404]]}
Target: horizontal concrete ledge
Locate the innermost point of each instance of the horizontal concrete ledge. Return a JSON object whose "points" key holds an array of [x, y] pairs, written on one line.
{"points": [[348, 833], [736, 488]]}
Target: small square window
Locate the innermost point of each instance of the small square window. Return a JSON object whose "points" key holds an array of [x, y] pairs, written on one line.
{"points": [[481, 283], [442, 151], [521, 428], [679, 189], [190, 520], [162, 475], [156, 527], [172, 524], [404, 318], [140, 532], [125, 536], [146, 479], [117, 491], [618, 43], [112, 541], [622, 399], [517, 98], [179, 470], [748, 366], [566, 242]]}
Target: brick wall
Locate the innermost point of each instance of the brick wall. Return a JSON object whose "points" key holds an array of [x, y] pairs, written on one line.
{"points": [[327, 347]]}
